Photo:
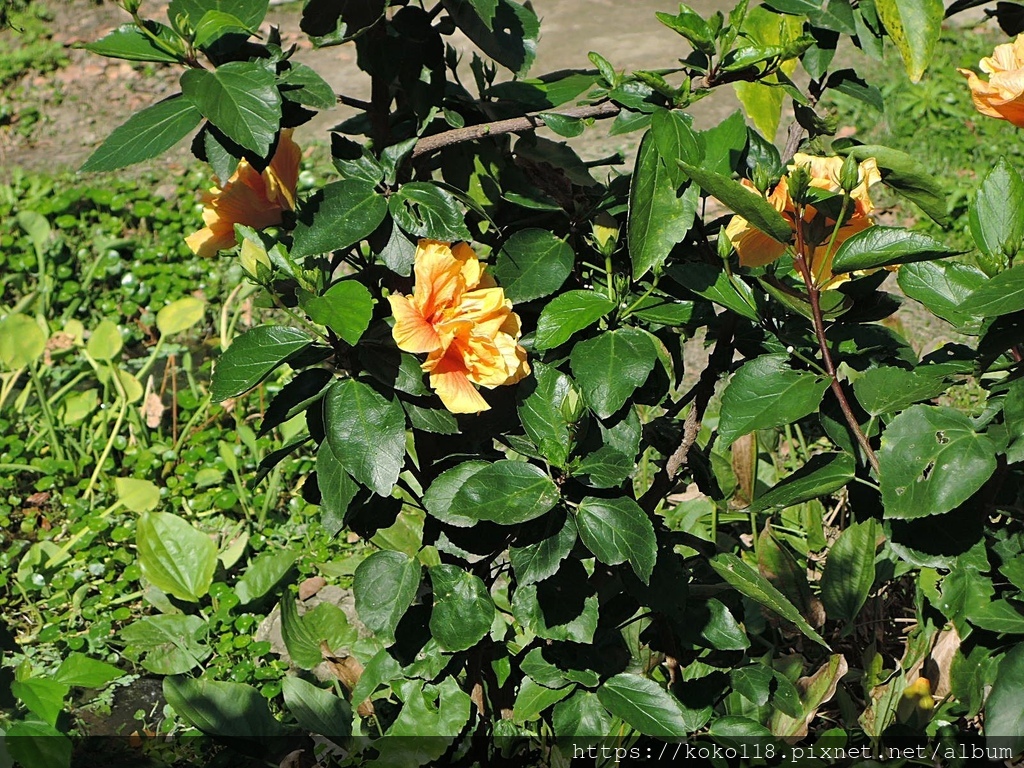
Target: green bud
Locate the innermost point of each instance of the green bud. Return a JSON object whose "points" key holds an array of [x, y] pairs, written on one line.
{"points": [[572, 406], [762, 178], [132, 6], [799, 181], [849, 176], [605, 230], [724, 245]]}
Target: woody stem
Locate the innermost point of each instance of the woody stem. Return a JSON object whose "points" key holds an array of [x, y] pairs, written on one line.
{"points": [[814, 293]]}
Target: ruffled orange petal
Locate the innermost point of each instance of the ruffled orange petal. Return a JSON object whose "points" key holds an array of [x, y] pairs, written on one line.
{"points": [[412, 332], [754, 247], [450, 379]]}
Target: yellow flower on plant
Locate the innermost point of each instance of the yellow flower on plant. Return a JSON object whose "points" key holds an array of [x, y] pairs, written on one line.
{"points": [[1002, 97], [464, 324], [249, 197], [756, 249]]}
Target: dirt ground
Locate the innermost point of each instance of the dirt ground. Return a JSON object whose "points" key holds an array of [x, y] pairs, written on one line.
{"points": [[83, 101]]}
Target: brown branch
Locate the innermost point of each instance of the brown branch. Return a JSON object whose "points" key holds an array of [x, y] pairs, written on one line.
{"points": [[796, 134], [529, 122]]}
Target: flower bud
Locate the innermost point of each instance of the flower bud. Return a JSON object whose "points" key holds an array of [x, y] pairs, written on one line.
{"points": [[798, 182], [849, 176], [572, 406], [251, 256], [605, 230], [132, 6], [762, 178]]}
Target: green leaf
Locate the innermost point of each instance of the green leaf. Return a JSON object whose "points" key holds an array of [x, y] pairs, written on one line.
{"points": [[506, 492], [180, 315], [747, 203], [533, 699], [998, 616], [303, 85], [131, 43], [80, 671], [42, 696], [675, 140], [505, 30], [385, 586], [137, 495], [581, 715], [997, 213], [532, 263], [904, 174], [366, 433], [606, 467], [850, 570], [337, 217], [175, 557], [890, 389], [753, 682], [539, 560], [240, 98], [305, 636], [568, 313], [658, 218], [722, 630], [764, 393], [617, 530], [942, 287], [1004, 708], [425, 209], [264, 573], [717, 285], [884, 246], [609, 367], [542, 411], [346, 308], [146, 134], [724, 145], [37, 745], [755, 586], [22, 341], [463, 609], [1002, 294], [822, 475], [250, 12], [216, 24], [438, 498], [228, 710], [337, 489], [295, 397], [105, 342], [915, 26], [253, 356], [564, 125], [317, 710], [168, 644], [644, 705], [931, 461]]}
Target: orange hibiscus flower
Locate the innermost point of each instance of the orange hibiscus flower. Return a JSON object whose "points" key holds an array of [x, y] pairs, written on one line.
{"points": [[756, 249], [464, 324], [251, 198], [1002, 96]]}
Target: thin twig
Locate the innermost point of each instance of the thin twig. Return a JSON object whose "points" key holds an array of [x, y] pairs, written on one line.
{"points": [[530, 122]]}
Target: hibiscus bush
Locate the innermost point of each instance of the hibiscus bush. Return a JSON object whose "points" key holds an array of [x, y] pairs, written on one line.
{"points": [[807, 534]]}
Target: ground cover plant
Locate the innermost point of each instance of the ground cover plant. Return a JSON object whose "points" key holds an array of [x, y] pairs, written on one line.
{"points": [[470, 351]]}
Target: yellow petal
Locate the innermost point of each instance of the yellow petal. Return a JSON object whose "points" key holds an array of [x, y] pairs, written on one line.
{"points": [[754, 247], [412, 332], [282, 175]]}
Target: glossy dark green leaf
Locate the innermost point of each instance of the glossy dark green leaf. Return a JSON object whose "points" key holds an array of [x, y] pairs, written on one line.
{"points": [[80, 671], [850, 570], [425, 209], [346, 308], [42, 696], [545, 413], [264, 573], [167, 644], [129, 42], [884, 246], [1004, 708], [561, 608], [717, 285], [240, 98], [998, 616], [215, 25], [337, 489], [463, 609], [1002, 294], [146, 134], [932, 460], [532, 263], [755, 586], [317, 710], [890, 389], [822, 475], [175, 556], [302, 643], [228, 710], [385, 586], [658, 218], [997, 215], [722, 630], [568, 313], [747, 203], [915, 26], [253, 356], [766, 392], [295, 397], [533, 699], [505, 492], [581, 715], [644, 705], [35, 743], [753, 682], [609, 367], [439, 421], [366, 433], [904, 174], [537, 561], [250, 12], [847, 82], [503, 29], [942, 287], [606, 467], [337, 217], [616, 531], [438, 497], [303, 85]]}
